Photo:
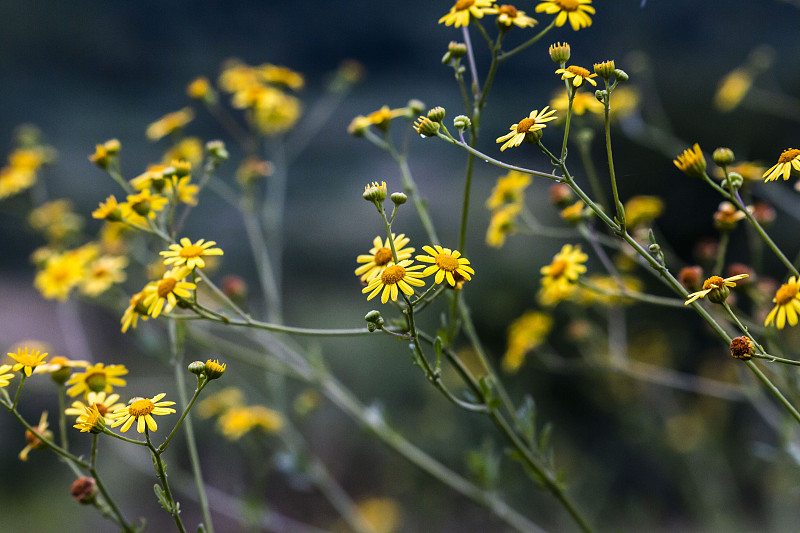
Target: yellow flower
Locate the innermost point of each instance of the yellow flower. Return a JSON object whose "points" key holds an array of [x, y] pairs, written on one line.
{"points": [[5, 375], [27, 360], [508, 15], [199, 88], [33, 441], [97, 378], [141, 411], [90, 421], [642, 209], [214, 369], [692, 162], [463, 10], [525, 334], [251, 169], [732, 89], [104, 152], [787, 305], [15, 180], [788, 163], [169, 123], [577, 74], [525, 128], [108, 210], [167, 291], [576, 11], [624, 102], [383, 515], [105, 405], [561, 275], [237, 421], [282, 76], [186, 191], [380, 255], [102, 273], [380, 118], [144, 204], [502, 224], [581, 103], [153, 178], [189, 254], [59, 368], [136, 309], [446, 263], [62, 272], [394, 276], [189, 149], [56, 220], [510, 189], [749, 170], [276, 112], [717, 286], [220, 402], [606, 290]]}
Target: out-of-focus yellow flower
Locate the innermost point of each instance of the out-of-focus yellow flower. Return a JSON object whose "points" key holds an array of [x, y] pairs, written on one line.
{"points": [[97, 378], [102, 273], [33, 441], [508, 15], [380, 118], [624, 101], [510, 189], [189, 149], [749, 170], [281, 76], [561, 275], [642, 209], [5, 375], [220, 402], [169, 123], [605, 290], [582, 103], [576, 11], [525, 334], [732, 89], [136, 309], [64, 271], [463, 10], [199, 88], [382, 515], [502, 224], [143, 204], [56, 220], [251, 169], [237, 421]]}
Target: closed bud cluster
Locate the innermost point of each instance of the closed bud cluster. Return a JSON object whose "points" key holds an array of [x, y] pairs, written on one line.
{"points": [[734, 180], [436, 114], [374, 320], [457, 49], [375, 192], [559, 53], [197, 367], [462, 122], [620, 74], [217, 150]]}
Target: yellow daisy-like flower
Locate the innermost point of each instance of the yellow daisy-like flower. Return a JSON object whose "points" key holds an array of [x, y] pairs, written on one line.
{"points": [[136, 309], [104, 403], [279, 75], [732, 89], [576, 11], [526, 128], [577, 74], [27, 360], [510, 189], [189, 149], [102, 273], [446, 263], [220, 402], [502, 224], [189, 254], [90, 420], [169, 123], [199, 88], [237, 421], [97, 378], [788, 162], [642, 209], [164, 294], [525, 334], [380, 118], [508, 15], [141, 411], [401, 275], [717, 286], [561, 275], [5, 375], [692, 162], [60, 368], [463, 10], [787, 305], [582, 103], [108, 210], [380, 255], [144, 204]]}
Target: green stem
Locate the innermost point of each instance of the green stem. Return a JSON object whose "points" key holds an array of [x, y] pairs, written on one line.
{"points": [[722, 247], [161, 471], [118, 517], [529, 42], [610, 157], [62, 416]]}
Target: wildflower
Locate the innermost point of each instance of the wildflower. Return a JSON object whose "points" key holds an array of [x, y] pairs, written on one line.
{"points": [[380, 255], [84, 490], [237, 421], [608, 290], [749, 170], [394, 276], [525, 129], [214, 369], [97, 378], [141, 411], [104, 403], [102, 273], [276, 112], [787, 304], [642, 209], [576, 11], [15, 180], [104, 152], [525, 334], [189, 254], [574, 213], [199, 88], [375, 192], [788, 163], [741, 347], [577, 74], [27, 360], [692, 162], [510, 189], [727, 216], [446, 263], [561, 274], [34, 443], [56, 220], [604, 69], [220, 402], [252, 169], [625, 100], [380, 118], [5, 375], [382, 515], [59, 368], [464, 10], [508, 15], [144, 204], [108, 210], [62, 272], [716, 288], [559, 53], [135, 309], [690, 277], [732, 89], [189, 149], [581, 103], [502, 224], [169, 123], [280, 75], [90, 421], [427, 127], [164, 294]]}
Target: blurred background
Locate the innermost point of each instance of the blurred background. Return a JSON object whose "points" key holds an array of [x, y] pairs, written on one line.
{"points": [[637, 456]]}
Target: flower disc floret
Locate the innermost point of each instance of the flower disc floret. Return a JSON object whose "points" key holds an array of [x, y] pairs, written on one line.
{"points": [[141, 411], [787, 305], [395, 276], [446, 263]]}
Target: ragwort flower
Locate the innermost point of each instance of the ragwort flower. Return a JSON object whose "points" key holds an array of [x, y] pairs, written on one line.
{"points": [[141, 411], [169, 123], [446, 263], [692, 162], [380, 255], [27, 360], [508, 15], [136, 309], [464, 10], [401, 275], [510, 189], [577, 74], [34, 442], [189, 254], [5, 375], [104, 403], [502, 224], [787, 305], [525, 129], [237, 421], [576, 11], [164, 294], [90, 420], [97, 378], [525, 334], [788, 162], [716, 287], [561, 275]]}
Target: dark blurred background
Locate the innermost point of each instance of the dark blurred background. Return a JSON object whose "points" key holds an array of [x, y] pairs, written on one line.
{"points": [[84, 72]]}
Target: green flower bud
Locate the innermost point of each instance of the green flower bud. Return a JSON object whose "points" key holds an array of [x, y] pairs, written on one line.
{"points": [[734, 180], [399, 198], [436, 114], [457, 49], [197, 367], [462, 122], [723, 156], [559, 53], [426, 127], [415, 107], [620, 74]]}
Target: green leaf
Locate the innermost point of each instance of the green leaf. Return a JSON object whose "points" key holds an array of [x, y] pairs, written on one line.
{"points": [[162, 498]]}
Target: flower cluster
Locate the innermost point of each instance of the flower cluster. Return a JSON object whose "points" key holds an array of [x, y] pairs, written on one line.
{"points": [[465, 11]]}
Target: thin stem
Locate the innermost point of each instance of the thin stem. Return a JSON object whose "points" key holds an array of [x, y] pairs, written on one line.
{"points": [[722, 248], [529, 42], [118, 517], [610, 157], [161, 471], [62, 416]]}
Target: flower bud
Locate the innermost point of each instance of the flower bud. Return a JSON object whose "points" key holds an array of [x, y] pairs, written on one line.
{"points": [[560, 195], [217, 150], [559, 53], [605, 69], [426, 127], [415, 107], [691, 277], [456, 49], [214, 369], [734, 180], [375, 192], [600, 95], [84, 490], [741, 348], [372, 316], [436, 114], [197, 367], [620, 74], [399, 198], [723, 156], [462, 122]]}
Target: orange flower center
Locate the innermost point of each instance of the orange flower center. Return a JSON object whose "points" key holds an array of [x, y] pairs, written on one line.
{"points": [[510, 11], [96, 381], [788, 155], [166, 286], [102, 409], [447, 262], [141, 407], [578, 71], [525, 124], [786, 293], [713, 282], [558, 267], [383, 256], [461, 5], [191, 251], [567, 5], [392, 274]]}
